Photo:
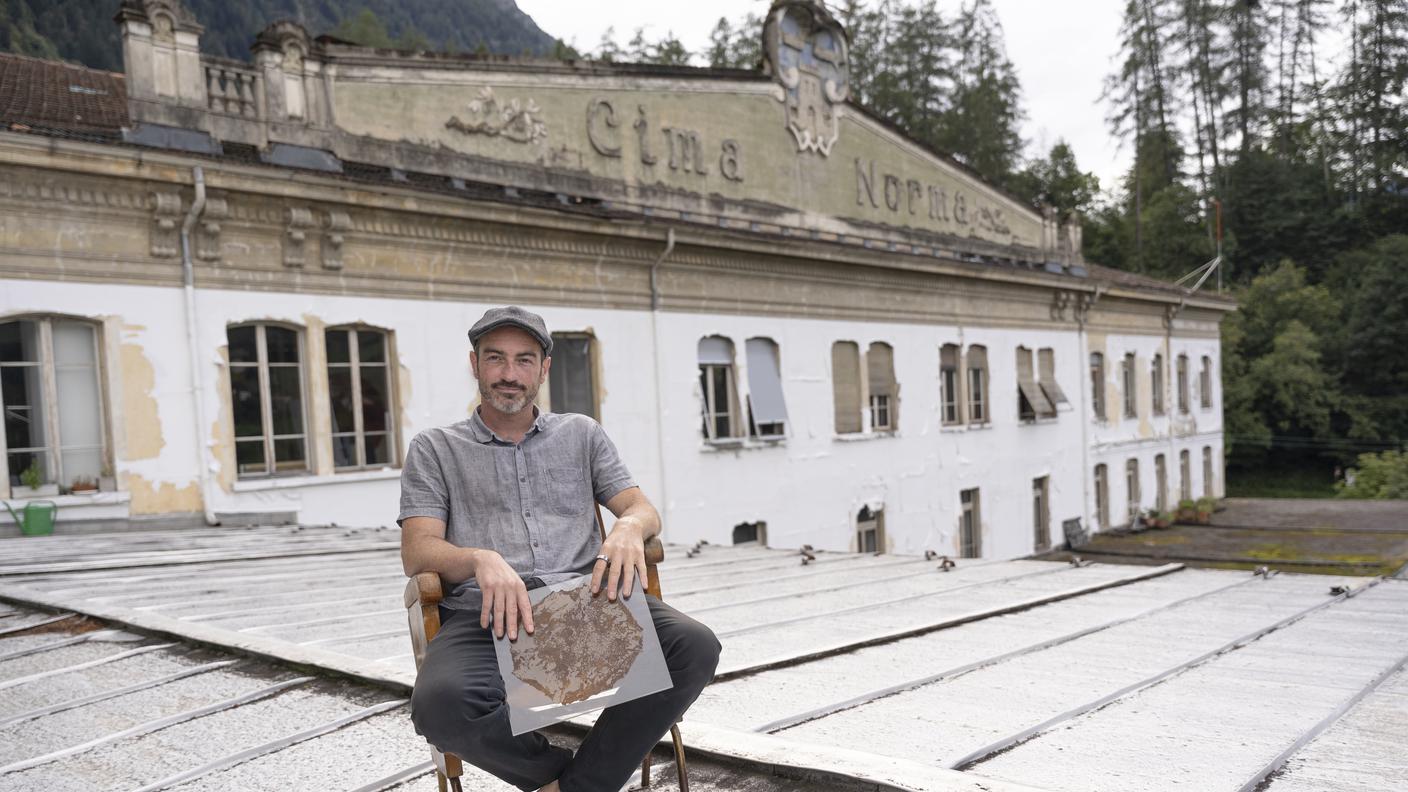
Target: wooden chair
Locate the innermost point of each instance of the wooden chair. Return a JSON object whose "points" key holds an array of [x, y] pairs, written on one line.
{"points": [[423, 595]]}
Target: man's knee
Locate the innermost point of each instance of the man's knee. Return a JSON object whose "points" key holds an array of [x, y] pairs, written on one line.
{"points": [[448, 705], [695, 653]]}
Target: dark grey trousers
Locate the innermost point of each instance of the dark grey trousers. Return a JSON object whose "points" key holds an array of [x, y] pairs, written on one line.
{"points": [[458, 706]]}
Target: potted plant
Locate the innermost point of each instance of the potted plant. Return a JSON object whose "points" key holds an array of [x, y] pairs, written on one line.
{"points": [[1187, 511], [1203, 508], [32, 482], [83, 485]]}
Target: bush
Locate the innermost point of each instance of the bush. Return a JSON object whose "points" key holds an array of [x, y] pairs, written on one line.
{"points": [[1380, 476]]}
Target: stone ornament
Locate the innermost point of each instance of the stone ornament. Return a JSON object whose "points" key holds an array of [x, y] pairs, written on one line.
{"points": [[166, 221], [338, 224], [806, 52], [299, 221], [520, 122]]}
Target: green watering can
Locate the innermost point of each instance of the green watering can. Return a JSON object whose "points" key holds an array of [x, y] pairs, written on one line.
{"points": [[38, 518]]}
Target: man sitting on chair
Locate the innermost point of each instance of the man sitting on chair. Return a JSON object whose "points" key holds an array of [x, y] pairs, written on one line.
{"points": [[503, 502]]}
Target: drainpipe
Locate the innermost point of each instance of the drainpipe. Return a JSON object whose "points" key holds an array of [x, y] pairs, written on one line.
{"points": [[659, 371], [188, 281], [1082, 312]]}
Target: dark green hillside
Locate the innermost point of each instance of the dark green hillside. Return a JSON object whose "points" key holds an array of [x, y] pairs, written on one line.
{"points": [[83, 30]]}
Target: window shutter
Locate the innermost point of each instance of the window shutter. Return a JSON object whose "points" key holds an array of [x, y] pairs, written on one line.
{"points": [[765, 382], [1027, 384], [1046, 365], [845, 376]]}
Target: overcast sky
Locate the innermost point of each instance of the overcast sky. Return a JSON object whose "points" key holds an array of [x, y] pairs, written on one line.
{"points": [[1062, 52]]}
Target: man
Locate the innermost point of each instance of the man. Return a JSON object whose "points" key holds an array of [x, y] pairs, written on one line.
{"points": [[503, 502]]}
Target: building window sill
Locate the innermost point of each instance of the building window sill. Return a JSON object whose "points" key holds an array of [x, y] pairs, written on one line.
{"points": [[94, 498], [294, 482], [854, 437], [740, 444]]}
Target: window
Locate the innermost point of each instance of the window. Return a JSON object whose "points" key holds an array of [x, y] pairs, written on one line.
{"points": [[845, 384], [1127, 385], [1046, 378], [977, 385], [52, 402], [266, 394], [767, 412], [720, 403], [870, 530], [970, 525], [1161, 484], [572, 378], [1041, 512], [948, 383], [1207, 472], [884, 404], [1102, 498], [1097, 385], [1156, 386], [1185, 488], [754, 532], [1183, 383], [1031, 400], [1205, 384], [1131, 485], [359, 389]]}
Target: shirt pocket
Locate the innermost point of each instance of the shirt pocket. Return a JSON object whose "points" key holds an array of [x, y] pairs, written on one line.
{"points": [[567, 488]]}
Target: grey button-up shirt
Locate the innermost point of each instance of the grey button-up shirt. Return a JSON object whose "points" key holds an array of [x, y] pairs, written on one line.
{"points": [[532, 503]]}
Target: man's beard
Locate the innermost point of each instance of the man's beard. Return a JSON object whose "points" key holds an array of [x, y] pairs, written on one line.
{"points": [[510, 404]]}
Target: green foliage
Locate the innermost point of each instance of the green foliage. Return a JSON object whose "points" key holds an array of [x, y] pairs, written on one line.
{"points": [[1057, 181], [32, 476], [736, 47], [1378, 476], [83, 30]]}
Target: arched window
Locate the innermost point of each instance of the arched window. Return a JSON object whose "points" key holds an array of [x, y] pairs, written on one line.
{"points": [[1102, 497], [361, 397], [948, 384], [1183, 383], [716, 381], [54, 432], [572, 378], [266, 396], [845, 386], [1127, 385], [1156, 383], [1205, 384], [884, 401], [1097, 385], [978, 385], [767, 411]]}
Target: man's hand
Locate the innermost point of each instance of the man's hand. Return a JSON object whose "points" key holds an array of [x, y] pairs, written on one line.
{"points": [[625, 549], [505, 596]]}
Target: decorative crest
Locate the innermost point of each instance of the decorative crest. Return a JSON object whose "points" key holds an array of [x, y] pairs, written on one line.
{"points": [[807, 54], [520, 122]]}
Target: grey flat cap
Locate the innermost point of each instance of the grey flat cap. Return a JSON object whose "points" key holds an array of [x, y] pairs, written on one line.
{"points": [[512, 316]]}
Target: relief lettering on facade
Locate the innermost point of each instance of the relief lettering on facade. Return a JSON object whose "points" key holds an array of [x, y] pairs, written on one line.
{"points": [[515, 120], [909, 196], [806, 53], [685, 150]]}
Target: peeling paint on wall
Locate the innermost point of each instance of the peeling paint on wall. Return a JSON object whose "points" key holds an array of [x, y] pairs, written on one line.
{"points": [[140, 410], [164, 497]]}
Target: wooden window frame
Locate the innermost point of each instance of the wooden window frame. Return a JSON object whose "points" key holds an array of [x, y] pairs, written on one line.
{"points": [[1127, 383], [1041, 513], [266, 418], [970, 523], [355, 365], [1097, 385], [1156, 385]]}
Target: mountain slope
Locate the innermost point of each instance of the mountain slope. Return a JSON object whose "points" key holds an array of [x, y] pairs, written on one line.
{"points": [[83, 30]]}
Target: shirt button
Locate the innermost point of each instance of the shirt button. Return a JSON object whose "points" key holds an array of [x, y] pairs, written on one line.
{"points": [[522, 478], [527, 514], [535, 544]]}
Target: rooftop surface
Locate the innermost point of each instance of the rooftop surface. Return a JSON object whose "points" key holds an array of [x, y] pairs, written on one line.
{"points": [[852, 671]]}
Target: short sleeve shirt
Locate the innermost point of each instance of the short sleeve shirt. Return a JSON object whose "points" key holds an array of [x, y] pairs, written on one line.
{"points": [[534, 503]]}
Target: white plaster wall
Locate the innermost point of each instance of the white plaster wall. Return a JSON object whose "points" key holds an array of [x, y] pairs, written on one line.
{"points": [[809, 488]]}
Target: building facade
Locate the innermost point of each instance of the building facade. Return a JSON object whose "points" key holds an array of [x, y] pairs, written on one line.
{"points": [[232, 292]]}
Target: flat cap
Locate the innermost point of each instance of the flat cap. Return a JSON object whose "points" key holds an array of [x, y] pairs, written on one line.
{"points": [[512, 316]]}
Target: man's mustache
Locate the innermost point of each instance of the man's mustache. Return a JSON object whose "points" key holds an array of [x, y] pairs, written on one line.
{"points": [[508, 385]]}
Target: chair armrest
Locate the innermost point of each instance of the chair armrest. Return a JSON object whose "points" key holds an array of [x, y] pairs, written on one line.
{"points": [[654, 550], [424, 589]]}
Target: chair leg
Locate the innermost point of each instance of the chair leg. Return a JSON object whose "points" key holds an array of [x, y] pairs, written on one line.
{"points": [[645, 772], [455, 784], [679, 758], [440, 781]]}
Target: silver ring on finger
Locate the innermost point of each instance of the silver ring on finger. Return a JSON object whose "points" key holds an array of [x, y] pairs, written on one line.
{"points": [[603, 558]]}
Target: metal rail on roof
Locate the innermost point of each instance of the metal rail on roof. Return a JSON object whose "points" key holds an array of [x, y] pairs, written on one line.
{"points": [[883, 603], [154, 725], [811, 655], [31, 625], [24, 680], [865, 698], [988, 751], [326, 620], [270, 747], [397, 778], [62, 706], [830, 566], [1261, 775]]}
